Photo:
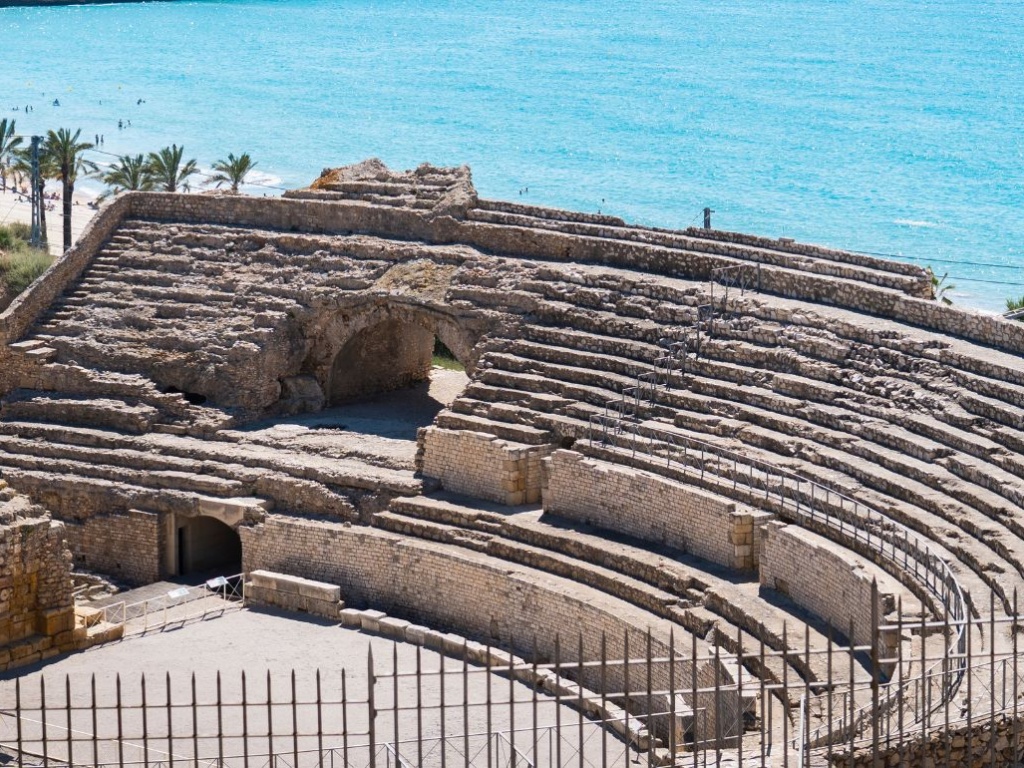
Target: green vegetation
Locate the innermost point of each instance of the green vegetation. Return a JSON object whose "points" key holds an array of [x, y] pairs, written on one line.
{"points": [[445, 358], [129, 173], [8, 145], [232, 171], [940, 287], [20, 264], [168, 170], [1015, 305]]}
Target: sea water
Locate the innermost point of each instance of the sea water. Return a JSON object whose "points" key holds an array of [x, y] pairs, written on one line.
{"points": [[888, 126]]}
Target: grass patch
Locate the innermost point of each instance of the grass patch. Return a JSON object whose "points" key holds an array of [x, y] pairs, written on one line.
{"points": [[445, 358], [20, 264]]}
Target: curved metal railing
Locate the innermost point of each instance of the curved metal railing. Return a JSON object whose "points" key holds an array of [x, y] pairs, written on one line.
{"points": [[893, 546]]}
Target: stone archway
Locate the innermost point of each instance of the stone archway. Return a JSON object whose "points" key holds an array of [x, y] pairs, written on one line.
{"points": [[205, 544], [389, 348], [389, 355]]}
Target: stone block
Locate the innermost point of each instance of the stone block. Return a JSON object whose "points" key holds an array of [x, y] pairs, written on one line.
{"points": [[370, 620], [350, 617], [392, 627]]}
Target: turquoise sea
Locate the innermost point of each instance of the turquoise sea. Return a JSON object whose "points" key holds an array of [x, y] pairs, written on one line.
{"points": [[889, 126]]}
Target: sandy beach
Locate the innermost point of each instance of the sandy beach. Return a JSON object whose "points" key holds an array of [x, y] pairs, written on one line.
{"points": [[14, 207]]}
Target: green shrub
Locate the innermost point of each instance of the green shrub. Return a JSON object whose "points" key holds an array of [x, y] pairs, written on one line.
{"points": [[21, 266], [20, 230]]}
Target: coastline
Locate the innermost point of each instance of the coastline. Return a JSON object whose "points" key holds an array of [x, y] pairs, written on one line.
{"points": [[53, 3], [15, 208]]}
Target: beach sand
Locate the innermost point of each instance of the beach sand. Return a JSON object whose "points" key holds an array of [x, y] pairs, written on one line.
{"points": [[16, 208]]}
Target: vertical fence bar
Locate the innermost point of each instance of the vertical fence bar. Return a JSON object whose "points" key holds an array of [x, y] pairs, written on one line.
{"points": [[490, 728], [512, 704], [739, 697], [536, 760], [394, 702], [970, 691], [344, 718], [220, 721], [67, 704], [992, 677], [295, 722], [170, 722], [1014, 631], [785, 694], [579, 689], [830, 692], [698, 722], [625, 692], [245, 719], [604, 700], [195, 722], [419, 705], [806, 735], [319, 721], [876, 673], [95, 731], [650, 702], [853, 712], [766, 704], [558, 701], [270, 716], [371, 683], [42, 717], [902, 672], [444, 710], [465, 701], [714, 702], [672, 693]]}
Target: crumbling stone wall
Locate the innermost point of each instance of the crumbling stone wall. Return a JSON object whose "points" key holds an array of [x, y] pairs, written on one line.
{"points": [[481, 465], [652, 508], [37, 615]]}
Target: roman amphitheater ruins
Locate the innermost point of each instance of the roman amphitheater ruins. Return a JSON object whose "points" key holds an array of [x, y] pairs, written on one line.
{"points": [[690, 439]]}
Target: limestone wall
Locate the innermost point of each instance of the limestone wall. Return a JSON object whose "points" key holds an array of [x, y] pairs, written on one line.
{"points": [[652, 508], [829, 582], [126, 545], [476, 595], [481, 465], [37, 615]]}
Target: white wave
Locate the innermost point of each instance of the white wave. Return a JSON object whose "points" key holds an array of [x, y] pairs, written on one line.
{"points": [[915, 223]]}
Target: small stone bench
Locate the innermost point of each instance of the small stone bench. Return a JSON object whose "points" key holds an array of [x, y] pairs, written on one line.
{"points": [[294, 593]]}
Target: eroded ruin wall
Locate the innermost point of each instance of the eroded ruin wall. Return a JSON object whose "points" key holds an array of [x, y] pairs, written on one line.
{"points": [[651, 508], [37, 615]]}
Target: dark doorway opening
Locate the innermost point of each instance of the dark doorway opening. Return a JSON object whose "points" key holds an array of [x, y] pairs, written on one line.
{"points": [[206, 545]]}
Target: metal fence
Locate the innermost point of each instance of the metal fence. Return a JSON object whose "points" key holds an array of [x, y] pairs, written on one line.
{"points": [[180, 605], [434, 711]]}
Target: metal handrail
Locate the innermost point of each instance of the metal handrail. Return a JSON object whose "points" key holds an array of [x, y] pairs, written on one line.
{"points": [[890, 540]]}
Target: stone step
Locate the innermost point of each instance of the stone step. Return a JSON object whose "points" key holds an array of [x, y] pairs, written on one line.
{"points": [[981, 571], [135, 418], [607, 565], [517, 433]]}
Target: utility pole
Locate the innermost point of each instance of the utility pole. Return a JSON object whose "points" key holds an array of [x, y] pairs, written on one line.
{"points": [[38, 237], [707, 218]]}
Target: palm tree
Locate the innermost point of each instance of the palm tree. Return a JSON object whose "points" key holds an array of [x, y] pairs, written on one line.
{"points": [[232, 171], [8, 143], [166, 169], [940, 287], [63, 153], [129, 173]]}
